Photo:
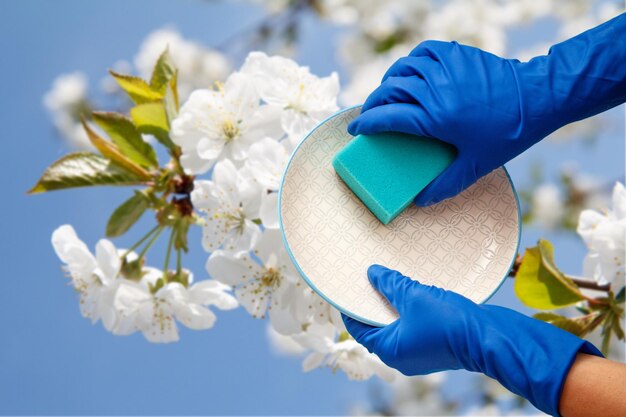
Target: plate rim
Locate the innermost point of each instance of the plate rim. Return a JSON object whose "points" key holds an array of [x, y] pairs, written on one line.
{"points": [[308, 280]]}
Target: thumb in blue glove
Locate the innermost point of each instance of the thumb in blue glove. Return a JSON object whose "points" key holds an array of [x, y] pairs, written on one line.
{"points": [[492, 109], [442, 330]]}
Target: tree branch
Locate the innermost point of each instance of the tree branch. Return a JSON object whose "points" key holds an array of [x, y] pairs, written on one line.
{"points": [[581, 282], [263, 28]]}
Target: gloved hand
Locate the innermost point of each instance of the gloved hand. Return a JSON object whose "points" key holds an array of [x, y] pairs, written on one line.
{"points": [[440, 330], [492, 109]]}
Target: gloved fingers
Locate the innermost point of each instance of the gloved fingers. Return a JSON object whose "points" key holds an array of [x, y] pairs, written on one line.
{"points": [[397, 117], [431, 49], [361, 332], [397, 90], [394, 286], [409, 66], [454, 179]]}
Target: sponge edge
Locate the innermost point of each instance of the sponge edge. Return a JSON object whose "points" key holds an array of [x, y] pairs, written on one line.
{"points": [[387, 170]]}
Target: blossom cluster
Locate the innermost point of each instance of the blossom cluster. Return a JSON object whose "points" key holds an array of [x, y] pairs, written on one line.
{"points": [[235, 140], [242, 132], [381, 32], [125, 306]]}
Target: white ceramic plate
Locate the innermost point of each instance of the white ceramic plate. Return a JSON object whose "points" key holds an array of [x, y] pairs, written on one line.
{"points": [[465, 244]]}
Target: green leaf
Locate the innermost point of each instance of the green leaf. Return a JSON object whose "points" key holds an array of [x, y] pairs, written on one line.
{"points": [[580, 326], [110, 150], [618, 330], [83, 169], [164, 70], [127, 214], [539, 283], [173, 86], [138, 90], [127, 138], [617, 312], [619, 298], [150, 118], [171, 104], [607, 328], [548, 317]]}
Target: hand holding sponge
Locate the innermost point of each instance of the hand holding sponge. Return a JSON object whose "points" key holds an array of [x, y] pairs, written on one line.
{"points": [[387, 170]]}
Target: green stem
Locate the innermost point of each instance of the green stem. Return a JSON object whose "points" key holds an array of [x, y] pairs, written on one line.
{"points": [[178, 167], [143, 239], [179, 257], [151, 242], [168, 253]]}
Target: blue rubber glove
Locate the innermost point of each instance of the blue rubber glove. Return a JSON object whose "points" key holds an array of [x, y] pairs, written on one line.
{"points": [[492, 109], [441, 330]]}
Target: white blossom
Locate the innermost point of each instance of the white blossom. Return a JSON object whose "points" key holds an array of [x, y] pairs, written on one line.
{"points": [[266, 162], [197, 65], [270, 285], [547, 205], [304, 98], [268, 212], [126, 306], [605, 237], [340, 353], [93, 277], [419, 396], [65, 102], [155, 314], [231, 204], [220, 123], [67, 91], [329, 345], [282, 344]]}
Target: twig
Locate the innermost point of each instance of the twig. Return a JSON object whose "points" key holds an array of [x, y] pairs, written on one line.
{"points": [[581, 282]]}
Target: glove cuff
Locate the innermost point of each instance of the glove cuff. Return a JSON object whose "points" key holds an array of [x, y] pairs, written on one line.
{"points": [[579, 78], [529, 357]]}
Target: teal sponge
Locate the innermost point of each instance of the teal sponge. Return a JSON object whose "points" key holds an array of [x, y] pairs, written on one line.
{"points": [[387, 170]]}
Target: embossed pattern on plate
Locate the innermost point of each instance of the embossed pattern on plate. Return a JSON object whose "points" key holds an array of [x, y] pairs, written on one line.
{"points": [[465, 244]]}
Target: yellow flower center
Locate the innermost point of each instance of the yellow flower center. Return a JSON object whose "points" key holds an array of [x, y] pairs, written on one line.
{"points": [[230, 130], [270, 279]]}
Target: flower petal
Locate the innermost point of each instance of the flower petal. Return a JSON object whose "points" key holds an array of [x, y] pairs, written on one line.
{"points": [[232, 269], [268, 212], [109, 261], [283, 321], [253, 298], [312, 361], [211, 292]]}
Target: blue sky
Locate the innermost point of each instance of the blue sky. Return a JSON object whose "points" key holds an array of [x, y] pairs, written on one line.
{"points": [[52, 361]]}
